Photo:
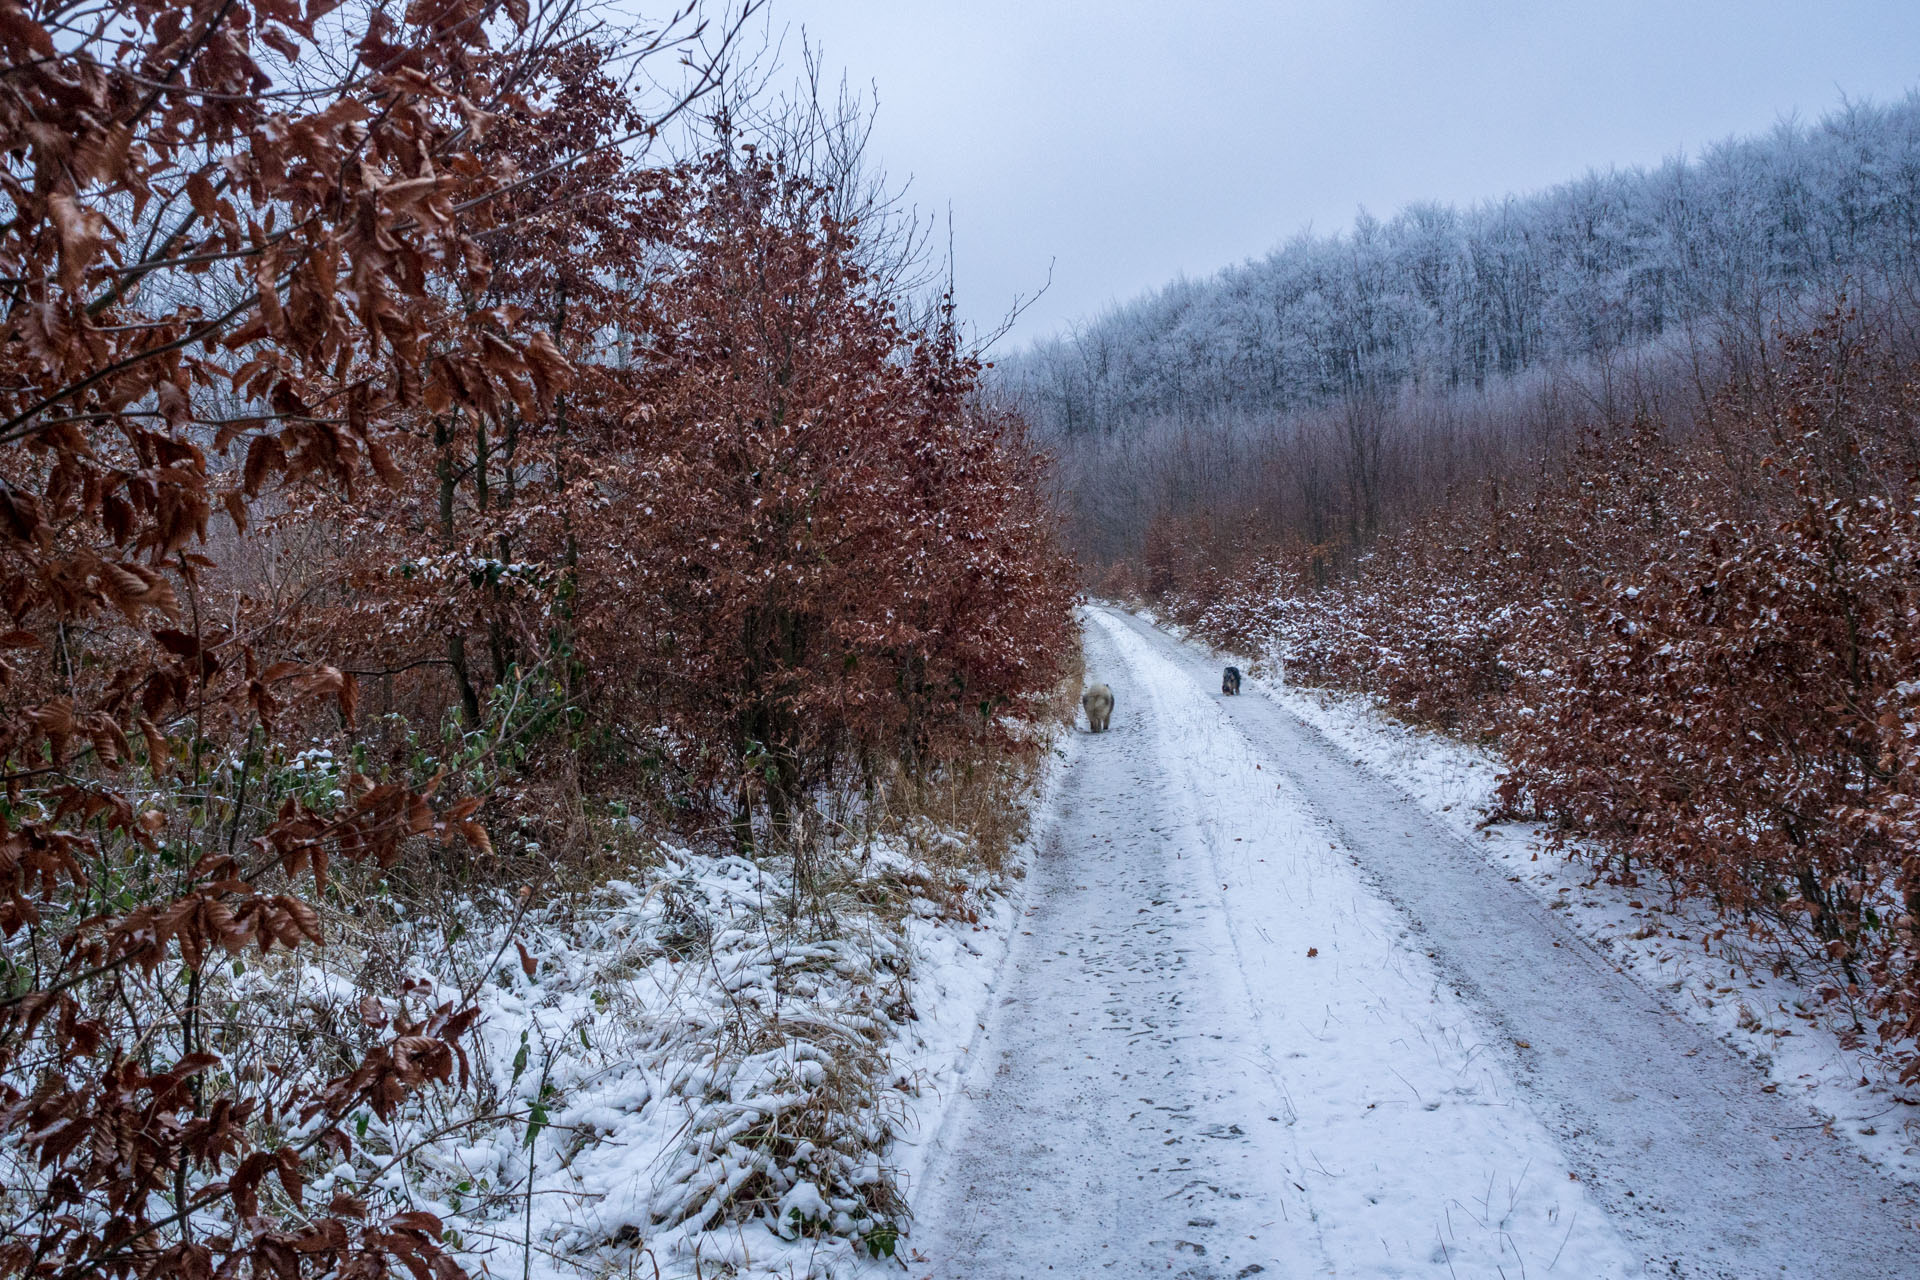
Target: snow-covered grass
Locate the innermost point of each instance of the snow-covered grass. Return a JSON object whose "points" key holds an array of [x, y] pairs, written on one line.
{"points": [[687, 1068], [1679, 949]]}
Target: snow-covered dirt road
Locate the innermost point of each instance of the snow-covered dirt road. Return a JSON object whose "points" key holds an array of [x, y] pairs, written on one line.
{"points": [[1264, 1017]]}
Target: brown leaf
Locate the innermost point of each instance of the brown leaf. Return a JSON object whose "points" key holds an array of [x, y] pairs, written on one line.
{"points": [[345, 1206], [18, 31], [178, 642], [280, 43], [290, 1180], [80, 230], [54, 717], [159, 755], [550, 370], [236, 506], [265, 456]]}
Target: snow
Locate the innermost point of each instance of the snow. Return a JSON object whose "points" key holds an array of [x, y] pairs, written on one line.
{"points": [[1679, 950], [956, 969], [1217, 1052], [691, 1079], [1267, 1014]]}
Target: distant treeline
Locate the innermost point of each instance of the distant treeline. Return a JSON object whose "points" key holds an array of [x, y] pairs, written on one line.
{"points": [[1348, 385], [1439, 297]]}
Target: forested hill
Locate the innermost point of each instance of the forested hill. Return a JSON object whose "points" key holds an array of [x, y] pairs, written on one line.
{"points": [[1443, 297]]}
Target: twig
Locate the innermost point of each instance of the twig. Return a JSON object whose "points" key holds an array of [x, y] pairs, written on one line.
{"points": [[1563, 1243]]}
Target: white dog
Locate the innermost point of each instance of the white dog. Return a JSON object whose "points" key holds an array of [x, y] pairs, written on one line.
{"points": [[1098, 701]]}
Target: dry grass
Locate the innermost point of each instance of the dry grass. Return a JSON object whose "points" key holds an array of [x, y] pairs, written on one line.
{"points": [[1065, 705], [966, 814]]}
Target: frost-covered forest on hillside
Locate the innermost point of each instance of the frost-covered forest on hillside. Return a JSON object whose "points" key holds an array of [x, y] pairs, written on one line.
{"points": [[1345, 383], [1439, 297]]}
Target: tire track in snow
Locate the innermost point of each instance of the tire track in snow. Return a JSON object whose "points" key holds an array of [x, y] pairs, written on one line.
{"points": [[1670, 1130]]}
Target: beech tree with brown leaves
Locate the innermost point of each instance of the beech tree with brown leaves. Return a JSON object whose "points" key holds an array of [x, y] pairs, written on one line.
{"points": [[837, 559], [369, 396], [242, 263]]}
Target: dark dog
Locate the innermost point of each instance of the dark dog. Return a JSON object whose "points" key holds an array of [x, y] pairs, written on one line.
{"points": [[1230, 682]]}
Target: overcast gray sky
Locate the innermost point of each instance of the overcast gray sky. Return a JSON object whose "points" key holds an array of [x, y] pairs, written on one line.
{"points": [[1128, 142]]}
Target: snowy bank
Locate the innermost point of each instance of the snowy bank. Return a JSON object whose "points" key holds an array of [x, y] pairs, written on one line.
{"points": [[685, 1069], [1678, 949]]}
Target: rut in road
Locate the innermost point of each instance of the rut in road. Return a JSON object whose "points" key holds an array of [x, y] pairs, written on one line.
{"points": [[1265, 1018]]}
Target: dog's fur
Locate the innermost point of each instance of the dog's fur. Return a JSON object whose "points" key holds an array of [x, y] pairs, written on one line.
{"points": [[1230, 681], [1098, 700]]}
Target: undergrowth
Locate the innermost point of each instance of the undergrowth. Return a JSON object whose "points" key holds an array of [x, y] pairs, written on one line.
{"points": [[1695, 648]]}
